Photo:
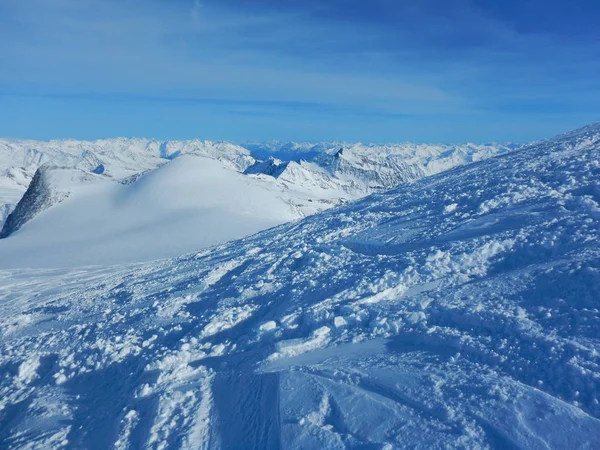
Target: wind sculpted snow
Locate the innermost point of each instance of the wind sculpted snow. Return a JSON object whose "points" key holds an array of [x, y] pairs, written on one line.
{"points": [[117, 159], [460, 311]]}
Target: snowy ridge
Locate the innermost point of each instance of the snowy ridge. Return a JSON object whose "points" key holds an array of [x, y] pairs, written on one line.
{"points": [[121, 156], [407, 150], [302, 175], [191, 203], [361, 169], [458, 311], [115, 158], [368, 172]]}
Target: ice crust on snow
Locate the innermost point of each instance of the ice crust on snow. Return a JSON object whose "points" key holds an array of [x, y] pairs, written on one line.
{"points": [[390, 322]]}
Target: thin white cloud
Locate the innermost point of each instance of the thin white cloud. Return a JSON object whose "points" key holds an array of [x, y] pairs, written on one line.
{"points": [[133, 45], [208, 50]]}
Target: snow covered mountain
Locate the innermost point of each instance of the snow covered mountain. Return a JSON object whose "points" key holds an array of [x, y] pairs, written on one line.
{"points": [[294, 189], [458, 311], [291, 151], [190, 203], [114, 158], [50, 185], [361, 169]]}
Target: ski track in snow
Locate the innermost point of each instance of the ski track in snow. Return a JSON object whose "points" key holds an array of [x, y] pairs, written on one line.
{"points": [[460, 311]]}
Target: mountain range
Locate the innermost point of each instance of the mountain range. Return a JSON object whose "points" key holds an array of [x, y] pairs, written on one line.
{"points": [[120, 190]]}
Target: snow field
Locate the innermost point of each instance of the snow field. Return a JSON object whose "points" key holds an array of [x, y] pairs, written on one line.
{"points": [[390, 322]]}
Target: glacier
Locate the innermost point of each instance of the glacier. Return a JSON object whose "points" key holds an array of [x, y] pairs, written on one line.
{"points": [[459, 310]]}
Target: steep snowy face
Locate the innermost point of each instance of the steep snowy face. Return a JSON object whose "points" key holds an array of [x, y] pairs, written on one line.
{"points": [[13, 183], [301, 175], [19, 161], [459, 311], [272, 167], [50, 185], [308, 186], [369, 172]]}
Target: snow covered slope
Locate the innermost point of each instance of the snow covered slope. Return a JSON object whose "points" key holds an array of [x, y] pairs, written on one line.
{"points": [[13, 184], [190, 203], [49, 186], [459, 311], [308, 178], [115, 158]]}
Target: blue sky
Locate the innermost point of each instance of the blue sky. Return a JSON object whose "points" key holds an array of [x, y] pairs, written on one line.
{"points": [[377, 70]]}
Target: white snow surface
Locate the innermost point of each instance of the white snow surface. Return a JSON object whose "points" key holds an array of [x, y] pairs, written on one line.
{"points": [[459, 311], [115, 158], [190, 203], [433, 158]]}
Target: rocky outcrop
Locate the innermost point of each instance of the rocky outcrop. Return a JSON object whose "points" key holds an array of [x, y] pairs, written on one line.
{"points": [[272, 167], [50, 185]]}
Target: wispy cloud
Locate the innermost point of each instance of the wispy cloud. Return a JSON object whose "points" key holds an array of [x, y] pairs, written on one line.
{"points": [[341, 59], [133, 45]]}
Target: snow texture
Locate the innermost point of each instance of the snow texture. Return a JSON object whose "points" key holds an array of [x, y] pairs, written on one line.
{"points": [[50, 185], [458, 311]]}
